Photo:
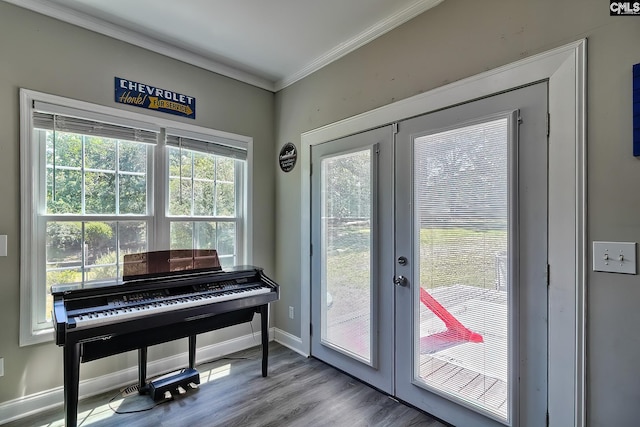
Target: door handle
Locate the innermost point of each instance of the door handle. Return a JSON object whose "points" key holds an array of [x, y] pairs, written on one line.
{"points": [[400, 281]]}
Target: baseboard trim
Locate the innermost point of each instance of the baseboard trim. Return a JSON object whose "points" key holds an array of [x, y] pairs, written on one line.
{"points": [[39, 402], [290, 341]]}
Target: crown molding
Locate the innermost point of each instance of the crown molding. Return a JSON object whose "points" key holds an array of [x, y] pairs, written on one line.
{"points": [[114, 31], [359, 40], [108, 29]]}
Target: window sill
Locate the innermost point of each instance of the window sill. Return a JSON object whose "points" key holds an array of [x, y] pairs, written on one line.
{"points": [[36, 337]]}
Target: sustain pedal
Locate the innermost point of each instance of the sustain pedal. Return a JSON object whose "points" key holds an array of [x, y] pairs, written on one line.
{"points": [[170, 385]]}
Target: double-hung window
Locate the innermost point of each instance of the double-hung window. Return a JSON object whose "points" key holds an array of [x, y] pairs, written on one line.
{"points": [[204, 195], [98, 183]]}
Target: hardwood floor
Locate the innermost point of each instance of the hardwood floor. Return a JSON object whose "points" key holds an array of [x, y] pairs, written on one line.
{"points": [[297, 392]]}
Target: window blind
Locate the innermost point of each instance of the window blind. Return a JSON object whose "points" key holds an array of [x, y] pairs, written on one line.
{"points": [[211, 147], [61, 123]]}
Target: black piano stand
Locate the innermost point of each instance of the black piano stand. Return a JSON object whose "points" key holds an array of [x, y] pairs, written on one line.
{"points": [[71, 354]]}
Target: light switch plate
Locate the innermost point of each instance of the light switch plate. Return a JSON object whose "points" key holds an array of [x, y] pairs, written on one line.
{"points": [[614, 257]]}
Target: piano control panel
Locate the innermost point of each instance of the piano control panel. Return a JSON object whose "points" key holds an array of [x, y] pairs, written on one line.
{"points": [[137, 297], [161, 294]]}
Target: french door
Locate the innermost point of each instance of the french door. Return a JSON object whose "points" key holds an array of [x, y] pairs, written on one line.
{"points": [[430, 257], [352, 261]]}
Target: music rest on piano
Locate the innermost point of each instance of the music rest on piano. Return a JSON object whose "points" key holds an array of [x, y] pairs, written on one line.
{"points": [[170, 295]]}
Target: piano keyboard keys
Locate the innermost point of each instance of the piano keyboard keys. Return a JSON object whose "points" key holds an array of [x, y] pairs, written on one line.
{"points": [[160, 306]]}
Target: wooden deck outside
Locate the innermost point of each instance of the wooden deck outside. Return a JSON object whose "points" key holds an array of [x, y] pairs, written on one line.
{"points": [[473, 372]]}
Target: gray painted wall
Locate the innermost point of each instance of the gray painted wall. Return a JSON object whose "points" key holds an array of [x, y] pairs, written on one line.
{"points": [[458, 39], [46, 55], [455, 40]]}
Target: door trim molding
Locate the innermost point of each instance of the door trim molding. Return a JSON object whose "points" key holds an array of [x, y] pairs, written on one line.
{"points": [[565, 69]]}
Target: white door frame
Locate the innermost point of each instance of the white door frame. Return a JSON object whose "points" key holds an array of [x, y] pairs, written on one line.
{"points": [[565, 69]]}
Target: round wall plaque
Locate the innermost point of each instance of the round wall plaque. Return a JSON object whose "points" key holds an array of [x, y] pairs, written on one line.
{"points": [[288, 157]]}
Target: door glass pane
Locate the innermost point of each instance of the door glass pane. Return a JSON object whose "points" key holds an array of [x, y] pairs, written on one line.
{"points": [[461, 210], [347, 254]]}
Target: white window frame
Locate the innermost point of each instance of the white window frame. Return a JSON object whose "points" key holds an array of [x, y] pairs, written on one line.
{"points": [[32, 329], [164, 220]]}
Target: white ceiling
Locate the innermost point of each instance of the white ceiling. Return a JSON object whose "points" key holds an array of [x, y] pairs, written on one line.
{"points": [[267, 43]]}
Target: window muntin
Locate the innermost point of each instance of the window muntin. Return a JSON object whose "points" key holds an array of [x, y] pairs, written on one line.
{"points": [[85, 176], [220, 235], [85, 252], [201, 184], [96, 183], [95, 175], [203, 187]]}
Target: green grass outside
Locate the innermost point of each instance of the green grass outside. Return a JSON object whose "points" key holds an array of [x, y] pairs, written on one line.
{"points": [[452, 256], [448, 256]]}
